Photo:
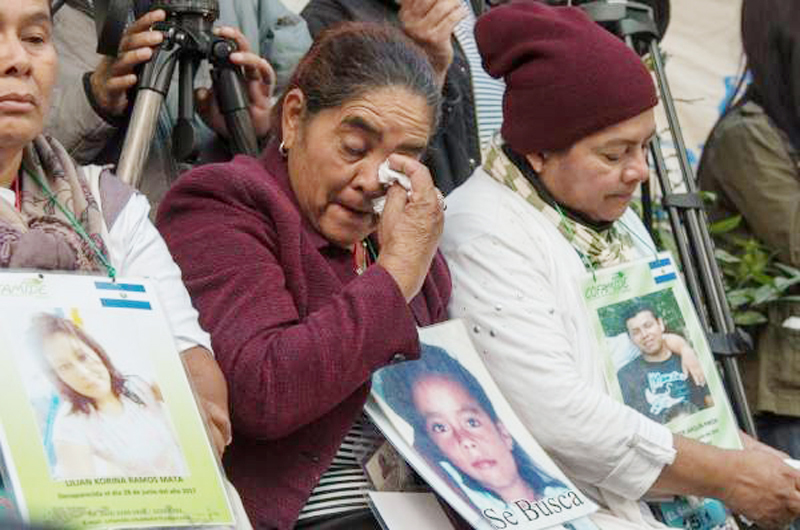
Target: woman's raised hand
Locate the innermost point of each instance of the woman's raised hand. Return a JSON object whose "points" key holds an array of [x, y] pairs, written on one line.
{"points": [[410, 226]]}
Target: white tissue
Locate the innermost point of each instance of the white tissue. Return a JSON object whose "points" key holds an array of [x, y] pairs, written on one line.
{"points": [[387, 177]]}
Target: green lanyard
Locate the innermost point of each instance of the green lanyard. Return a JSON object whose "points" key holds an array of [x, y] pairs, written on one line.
{"points": [[112, 273]]}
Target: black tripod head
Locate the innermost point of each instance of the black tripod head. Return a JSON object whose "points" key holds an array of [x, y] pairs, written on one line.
{"points": [[637, 22], [110, 17]]}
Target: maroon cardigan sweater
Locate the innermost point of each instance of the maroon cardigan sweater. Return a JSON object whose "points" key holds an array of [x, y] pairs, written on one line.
{"points": [[296, 331]]}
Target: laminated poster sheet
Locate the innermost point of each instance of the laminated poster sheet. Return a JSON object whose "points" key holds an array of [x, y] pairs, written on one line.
{"points": [[447, 418], [98, 424], [645, 323], [646, 327]]}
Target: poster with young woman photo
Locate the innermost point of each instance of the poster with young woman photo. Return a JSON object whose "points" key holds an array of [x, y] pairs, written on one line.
{"points": [[100, 411], [656, 356], [98, 423], [445, 415]]}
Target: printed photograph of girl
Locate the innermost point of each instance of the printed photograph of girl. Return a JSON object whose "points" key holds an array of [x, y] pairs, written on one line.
{"points": [[96, 421]]}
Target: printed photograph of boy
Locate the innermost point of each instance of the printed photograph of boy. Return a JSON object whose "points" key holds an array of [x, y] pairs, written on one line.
{"points": [[654, 382]]}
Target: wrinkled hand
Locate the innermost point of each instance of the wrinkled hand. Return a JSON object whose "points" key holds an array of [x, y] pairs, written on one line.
{"points": [[410, 227], [114, 76], [430, 24], [260, 82], [764, 489], [219, 424]]}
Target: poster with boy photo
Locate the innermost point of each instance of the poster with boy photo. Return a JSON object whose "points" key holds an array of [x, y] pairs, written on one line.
{"points": [[444, 414]]}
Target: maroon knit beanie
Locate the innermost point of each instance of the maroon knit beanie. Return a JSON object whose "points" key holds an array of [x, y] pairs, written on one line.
{"points": [[566, 77]]}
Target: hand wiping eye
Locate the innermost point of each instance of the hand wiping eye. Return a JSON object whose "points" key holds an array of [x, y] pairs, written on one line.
{"points": [[388, 176]]}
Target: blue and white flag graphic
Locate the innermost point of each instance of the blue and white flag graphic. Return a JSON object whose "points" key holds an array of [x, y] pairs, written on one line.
{"points": [[663, 270], [123, 295]]}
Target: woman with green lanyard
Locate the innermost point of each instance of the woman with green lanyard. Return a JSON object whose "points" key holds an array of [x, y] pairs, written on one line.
{"points": [[550, 203], [56, 215]]}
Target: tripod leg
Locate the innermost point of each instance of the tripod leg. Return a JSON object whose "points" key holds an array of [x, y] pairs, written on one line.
{"points": [[183, 137], [232, 99], [139, 136], [705, 266], [153, 86]]}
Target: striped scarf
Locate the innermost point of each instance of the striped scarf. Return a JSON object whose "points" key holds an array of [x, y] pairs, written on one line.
{"points": [[597, 249]]}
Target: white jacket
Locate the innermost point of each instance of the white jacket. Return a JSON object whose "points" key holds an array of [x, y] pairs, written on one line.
{"points": [[515, 284]]}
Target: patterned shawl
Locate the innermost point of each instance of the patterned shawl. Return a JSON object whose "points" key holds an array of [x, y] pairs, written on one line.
{"points": [[41, 235]]}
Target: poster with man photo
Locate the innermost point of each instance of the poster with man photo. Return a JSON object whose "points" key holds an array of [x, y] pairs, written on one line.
{"points": [[656, 366], [444, 414], [657, 360]]}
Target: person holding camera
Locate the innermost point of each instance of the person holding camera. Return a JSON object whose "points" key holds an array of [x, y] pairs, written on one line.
{"points": [[92, 97]]}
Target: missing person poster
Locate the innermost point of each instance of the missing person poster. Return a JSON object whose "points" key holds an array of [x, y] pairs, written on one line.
{"points": [[98, 424], [446, 417], [657, 361]]}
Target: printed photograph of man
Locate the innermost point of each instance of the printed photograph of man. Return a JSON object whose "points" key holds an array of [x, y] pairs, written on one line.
{"points": [[654, 383]]}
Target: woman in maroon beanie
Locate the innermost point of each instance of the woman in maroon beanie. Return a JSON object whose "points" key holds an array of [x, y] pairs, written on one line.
{"points": [[550, 204], [304, 288]]}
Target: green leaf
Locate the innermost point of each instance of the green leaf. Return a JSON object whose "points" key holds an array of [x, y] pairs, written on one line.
{"points": [[725, 225], [782, 283], [739, 297], [749, 318], [765, 293], [790, 298], [787, 269], [709, 197], [724, 256]]}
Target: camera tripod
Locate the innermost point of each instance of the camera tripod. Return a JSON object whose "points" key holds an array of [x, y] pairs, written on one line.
{"points": [[188, 41], [635, 24]]}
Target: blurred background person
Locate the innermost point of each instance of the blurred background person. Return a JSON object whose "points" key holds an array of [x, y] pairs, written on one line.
{"points": [[549, 205], [472, 100], [751, 161], [58, 215], [108, 424], [91, 100], [303, 287]]}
